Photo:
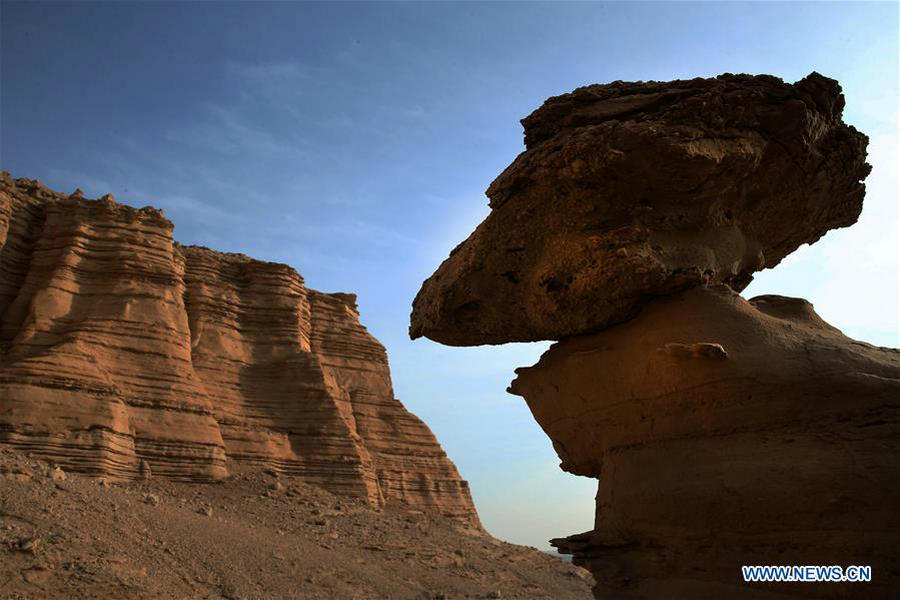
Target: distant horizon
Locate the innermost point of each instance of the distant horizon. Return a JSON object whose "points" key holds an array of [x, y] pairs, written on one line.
{"points": [[354, 141]]}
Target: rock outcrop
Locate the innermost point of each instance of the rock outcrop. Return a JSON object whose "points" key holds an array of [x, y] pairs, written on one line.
{"points": [[723, 432], [124, 353], [632, 190]]}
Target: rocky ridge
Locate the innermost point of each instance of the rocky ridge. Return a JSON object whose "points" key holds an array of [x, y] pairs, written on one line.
{"points": [[723, 432], [124, 353]]}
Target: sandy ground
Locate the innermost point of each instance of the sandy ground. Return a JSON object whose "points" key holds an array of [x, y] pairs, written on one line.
{"points": [[253, 536]]}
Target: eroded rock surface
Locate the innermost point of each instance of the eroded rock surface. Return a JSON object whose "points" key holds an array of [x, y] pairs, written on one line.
{"points": [[96, 359], [628, 191], [124, 353], [725, 433]]}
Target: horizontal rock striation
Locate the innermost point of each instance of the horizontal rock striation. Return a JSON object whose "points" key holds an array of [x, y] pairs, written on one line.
{"points": [[628, 191], [725, 433], [410, 464], [275, 405], [96, 367], [124, 353]]}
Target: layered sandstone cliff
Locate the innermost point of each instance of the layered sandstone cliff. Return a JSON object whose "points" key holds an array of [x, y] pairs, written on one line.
{"points": [[123, 353], [723, 432]]}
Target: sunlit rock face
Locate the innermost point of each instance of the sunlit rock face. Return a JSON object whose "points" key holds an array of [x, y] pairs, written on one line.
{"points": [[96, 367], [628, 191], [723, 432], [121, 347]]}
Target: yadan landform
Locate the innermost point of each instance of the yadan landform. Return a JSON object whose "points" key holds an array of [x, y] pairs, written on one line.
{"points": [[181, 423], [723, 431]]}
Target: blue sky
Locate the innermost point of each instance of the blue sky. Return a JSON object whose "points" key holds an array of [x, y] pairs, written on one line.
{"points": [[355, 141]]}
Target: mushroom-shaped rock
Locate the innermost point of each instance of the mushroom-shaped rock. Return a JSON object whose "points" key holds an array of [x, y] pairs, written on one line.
{"points": [[628, 191]]}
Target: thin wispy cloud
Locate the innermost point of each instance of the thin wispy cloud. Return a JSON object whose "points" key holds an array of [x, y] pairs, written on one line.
{"points": [[227, 130], [273, 76]]}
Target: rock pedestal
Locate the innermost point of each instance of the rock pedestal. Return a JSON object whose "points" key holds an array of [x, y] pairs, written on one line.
{"points": [[723, 432]]}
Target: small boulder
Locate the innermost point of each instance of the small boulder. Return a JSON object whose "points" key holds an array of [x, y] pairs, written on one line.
{"points": [[57, 475], [29, 545]]}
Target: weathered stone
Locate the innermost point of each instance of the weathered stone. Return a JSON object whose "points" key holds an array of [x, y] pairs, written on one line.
{"points": [[628, 191], [57, 475], [782, 448], [29, 545], [722, 432]]}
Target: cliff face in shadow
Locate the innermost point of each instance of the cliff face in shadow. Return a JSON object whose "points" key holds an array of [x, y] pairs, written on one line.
{"points": [[723, 432], [125, 354]]}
